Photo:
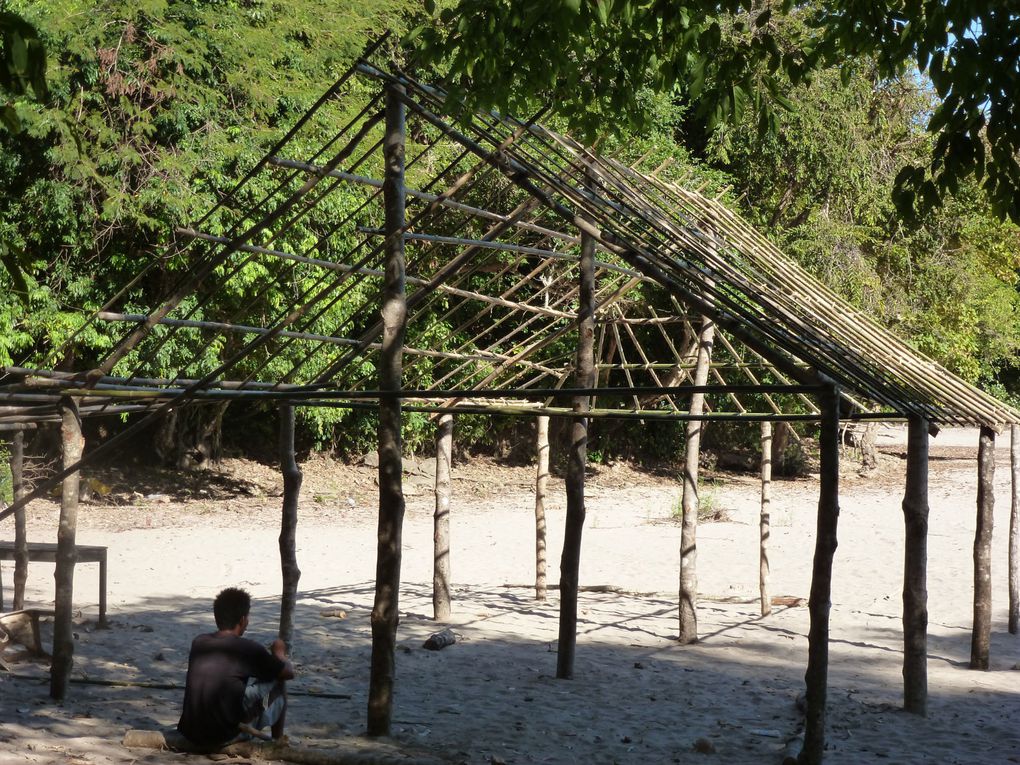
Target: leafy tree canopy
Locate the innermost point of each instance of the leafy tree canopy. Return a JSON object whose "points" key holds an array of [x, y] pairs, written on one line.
{"points": [[592, 56], [22, 65]]}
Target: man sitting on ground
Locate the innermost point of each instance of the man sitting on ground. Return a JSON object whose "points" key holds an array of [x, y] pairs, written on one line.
{"points": [[235, 686]]}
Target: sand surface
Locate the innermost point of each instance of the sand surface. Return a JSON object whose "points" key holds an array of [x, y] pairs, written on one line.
{"points": [[637, 695]]}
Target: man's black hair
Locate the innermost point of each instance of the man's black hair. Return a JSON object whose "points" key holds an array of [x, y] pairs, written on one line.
{"points": [[230, 606]]}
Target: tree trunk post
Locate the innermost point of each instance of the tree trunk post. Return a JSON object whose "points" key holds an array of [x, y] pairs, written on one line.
{"points": [[441, 521], [765, 519], [385, 611], [982, 633], [541, 486], [1014, 530], [72, 444], [915, 570], [816, 677], [570, 561], [688, 611], [288, 524], [20, 523]]}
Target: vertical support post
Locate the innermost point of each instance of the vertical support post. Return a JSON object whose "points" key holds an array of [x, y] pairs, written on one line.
{"points": [[72, 444], [765, 519], [541, 487], [1014, 530], [385, 611], [20, 529], [915, 570], [570, 561], [982, 632], [688, 611], [441, 521], [816, 677], [292, 478]]}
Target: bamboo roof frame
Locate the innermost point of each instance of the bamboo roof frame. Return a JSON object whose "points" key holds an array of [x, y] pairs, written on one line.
{"points": [[502, 255], [492, 233]]}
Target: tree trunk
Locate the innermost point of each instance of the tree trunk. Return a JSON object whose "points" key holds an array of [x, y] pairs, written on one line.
{"points": [[441, 522], [915, 570], [72, 444], [816, 677], [288, 524], [765, 519], [189, 437], [1014, 530], [982, 633], [780, 443], [385, 611], [868, 447], [20, 530], [570, 561], [688, 615], [541, 485]]}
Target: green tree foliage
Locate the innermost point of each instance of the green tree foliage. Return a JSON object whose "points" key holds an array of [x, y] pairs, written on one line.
{"points": [[156, 108], [822, 184], [22, 66], [593, 56], [822, 120], [22, 71]]}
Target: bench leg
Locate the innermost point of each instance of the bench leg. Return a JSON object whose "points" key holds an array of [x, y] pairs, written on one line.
{"points": [[102, 591]]}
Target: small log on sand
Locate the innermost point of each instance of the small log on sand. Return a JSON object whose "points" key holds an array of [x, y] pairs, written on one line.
{"points": [[361, 752]]}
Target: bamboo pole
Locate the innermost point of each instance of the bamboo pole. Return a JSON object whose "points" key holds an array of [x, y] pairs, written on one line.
{"points": [[753, 273], [570, 560], [688, 613], [208, 265], [765, 518], [426, 197], [20, 530], [72, 444], [982, 631], [816, 677], [1014, 530], [541, 486], [915, 570], [385, 611], [292, 478], [760, 258], [441, 521]]}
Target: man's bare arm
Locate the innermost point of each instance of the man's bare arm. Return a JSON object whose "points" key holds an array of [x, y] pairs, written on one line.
{"points": [[279, 650]]}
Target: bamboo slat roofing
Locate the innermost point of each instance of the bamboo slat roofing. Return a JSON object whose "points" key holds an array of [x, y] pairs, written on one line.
{"points": [[495, 207]]}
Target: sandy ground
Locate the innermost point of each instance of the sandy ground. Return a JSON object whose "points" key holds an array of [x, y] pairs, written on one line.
{"points": [[637, 696]]}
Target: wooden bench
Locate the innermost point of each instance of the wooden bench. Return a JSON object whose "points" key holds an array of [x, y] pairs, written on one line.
{"points": [[46, 552]]}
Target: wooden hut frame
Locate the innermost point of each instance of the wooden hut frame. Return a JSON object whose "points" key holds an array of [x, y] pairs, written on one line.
{"points": [[579, 282]]}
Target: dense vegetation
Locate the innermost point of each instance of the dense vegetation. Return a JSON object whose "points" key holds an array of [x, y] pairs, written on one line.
{"points": [[155, 105]]}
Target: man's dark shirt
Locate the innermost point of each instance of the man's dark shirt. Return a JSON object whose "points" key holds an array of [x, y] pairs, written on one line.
{"points": [[218, 670]]}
